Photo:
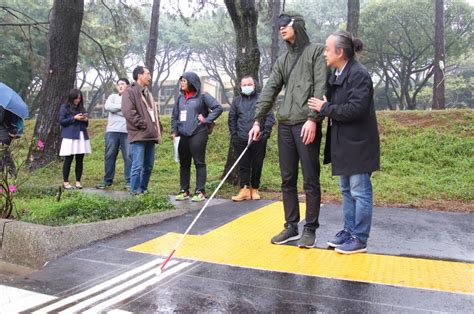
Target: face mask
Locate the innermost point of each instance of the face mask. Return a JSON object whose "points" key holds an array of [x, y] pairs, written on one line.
{"points": [[247, 90]]}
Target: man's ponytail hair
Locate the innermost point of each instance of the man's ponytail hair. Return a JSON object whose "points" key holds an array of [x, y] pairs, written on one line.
{"points": [[350, 44]]}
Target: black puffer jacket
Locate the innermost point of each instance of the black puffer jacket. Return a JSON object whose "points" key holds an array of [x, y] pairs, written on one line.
{"points": [[198, 104], [241, 118]]}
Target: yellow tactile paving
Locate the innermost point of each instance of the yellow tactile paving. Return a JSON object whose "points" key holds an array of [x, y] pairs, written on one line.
{"points": [[245, 242]]}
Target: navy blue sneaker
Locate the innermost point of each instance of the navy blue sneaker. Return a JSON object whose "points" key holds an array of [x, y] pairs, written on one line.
{"points": [[351, 246], [341, 237]]}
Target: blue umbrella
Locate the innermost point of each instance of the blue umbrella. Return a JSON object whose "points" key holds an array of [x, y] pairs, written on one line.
{"points": [[12, 102]]}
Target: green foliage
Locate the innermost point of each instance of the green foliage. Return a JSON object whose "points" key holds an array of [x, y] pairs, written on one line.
{"points": [[398, 40], [77, 207], [23, 48], [434, 162], [322, 17], [426, 157]]}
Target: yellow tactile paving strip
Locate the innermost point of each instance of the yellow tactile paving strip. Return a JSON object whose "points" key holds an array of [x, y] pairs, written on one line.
{"points": [[245, 242]]}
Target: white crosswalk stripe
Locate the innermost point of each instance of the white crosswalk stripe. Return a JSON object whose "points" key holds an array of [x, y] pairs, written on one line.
{"points": [[14, 300], [98, 298], [137, 289]]}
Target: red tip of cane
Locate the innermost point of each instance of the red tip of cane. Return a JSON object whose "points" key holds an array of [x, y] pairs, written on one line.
{"points": [[166, 262]]}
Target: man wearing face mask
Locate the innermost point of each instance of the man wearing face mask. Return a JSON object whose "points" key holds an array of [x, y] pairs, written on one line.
{"points": [[302, 71], [240, 122]]}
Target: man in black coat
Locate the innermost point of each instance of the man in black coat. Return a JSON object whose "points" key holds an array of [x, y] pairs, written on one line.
{"points": [[352, 144], [240, 122]]}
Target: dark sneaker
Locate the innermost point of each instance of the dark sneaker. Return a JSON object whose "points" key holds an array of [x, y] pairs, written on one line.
{"points": [[339, 239], [288, 234], [182, 196], [198, 197], [308, 239], [103, 185], [351, 246]]}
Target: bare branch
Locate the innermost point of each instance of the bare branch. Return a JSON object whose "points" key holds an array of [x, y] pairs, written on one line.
{"points": [[24, 24]]}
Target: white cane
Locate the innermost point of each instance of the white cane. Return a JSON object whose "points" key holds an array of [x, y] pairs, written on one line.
{"points": [[202, 209]]}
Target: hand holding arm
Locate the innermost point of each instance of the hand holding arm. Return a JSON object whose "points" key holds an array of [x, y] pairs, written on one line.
{"points": [[317, 104]]}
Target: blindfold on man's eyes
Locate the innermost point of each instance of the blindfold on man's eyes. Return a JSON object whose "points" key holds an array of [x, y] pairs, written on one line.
{"points": [[285, 20]]}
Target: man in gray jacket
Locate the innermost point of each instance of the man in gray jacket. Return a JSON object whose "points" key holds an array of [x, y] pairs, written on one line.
{"points": [[116, 137]]}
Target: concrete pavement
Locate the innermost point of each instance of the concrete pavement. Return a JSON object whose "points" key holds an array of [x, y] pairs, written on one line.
{"points": [[418, 261]]}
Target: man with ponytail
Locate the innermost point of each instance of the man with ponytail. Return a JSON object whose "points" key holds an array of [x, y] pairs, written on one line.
{"points": [[352, 144]]}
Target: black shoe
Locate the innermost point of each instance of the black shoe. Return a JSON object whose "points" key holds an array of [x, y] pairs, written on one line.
{"points": [[103, 185], [288, 234], [308, 239]]}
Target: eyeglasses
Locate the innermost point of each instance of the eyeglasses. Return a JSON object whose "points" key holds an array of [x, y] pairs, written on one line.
{"points": [[285, 20]]}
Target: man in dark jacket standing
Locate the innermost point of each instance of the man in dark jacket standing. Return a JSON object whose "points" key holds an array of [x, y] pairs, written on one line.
{"points": [[241, 117], [143, 127], [303, 72], [352, 144]]}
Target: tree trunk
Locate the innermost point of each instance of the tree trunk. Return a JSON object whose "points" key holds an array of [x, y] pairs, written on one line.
{"points": [[244, 18], [387, 93], [63, 45], [276, 9], [439, 57], [247, 62], [153, 39], [353, 9]]}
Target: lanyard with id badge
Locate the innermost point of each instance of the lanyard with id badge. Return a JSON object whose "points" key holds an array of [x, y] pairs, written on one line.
{"points": [[182, 115]]}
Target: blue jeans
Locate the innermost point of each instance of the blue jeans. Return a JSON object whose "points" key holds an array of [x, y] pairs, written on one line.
{"points": [[113, 142], [143, 158], [357, 204]]}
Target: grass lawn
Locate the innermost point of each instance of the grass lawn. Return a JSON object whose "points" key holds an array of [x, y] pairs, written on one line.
{"points": [[427, 161]]}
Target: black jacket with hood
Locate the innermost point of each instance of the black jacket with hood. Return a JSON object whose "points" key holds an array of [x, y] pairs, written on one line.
{"points": [[203, 104]]}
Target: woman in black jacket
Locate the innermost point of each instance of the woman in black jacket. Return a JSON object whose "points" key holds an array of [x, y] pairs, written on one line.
{"points": [[192, 114], [75, 139], [352, 144]]}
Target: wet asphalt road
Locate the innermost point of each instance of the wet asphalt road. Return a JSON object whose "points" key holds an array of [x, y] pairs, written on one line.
{"points": [[106, 277]]}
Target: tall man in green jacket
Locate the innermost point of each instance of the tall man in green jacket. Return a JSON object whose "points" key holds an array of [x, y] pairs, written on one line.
{"points": [[303, 72]]}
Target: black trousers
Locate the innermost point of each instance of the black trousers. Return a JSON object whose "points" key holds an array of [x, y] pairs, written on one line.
{"points": [[193, 147], [251, 164], [67, 166], [291, 151]]}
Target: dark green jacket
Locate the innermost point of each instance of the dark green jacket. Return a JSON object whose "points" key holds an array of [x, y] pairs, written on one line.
{"points": [[308, 78]]}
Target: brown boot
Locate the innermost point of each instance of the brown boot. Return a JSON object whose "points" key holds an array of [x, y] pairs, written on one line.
{"points": [[244, 195], [255, 195]]}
